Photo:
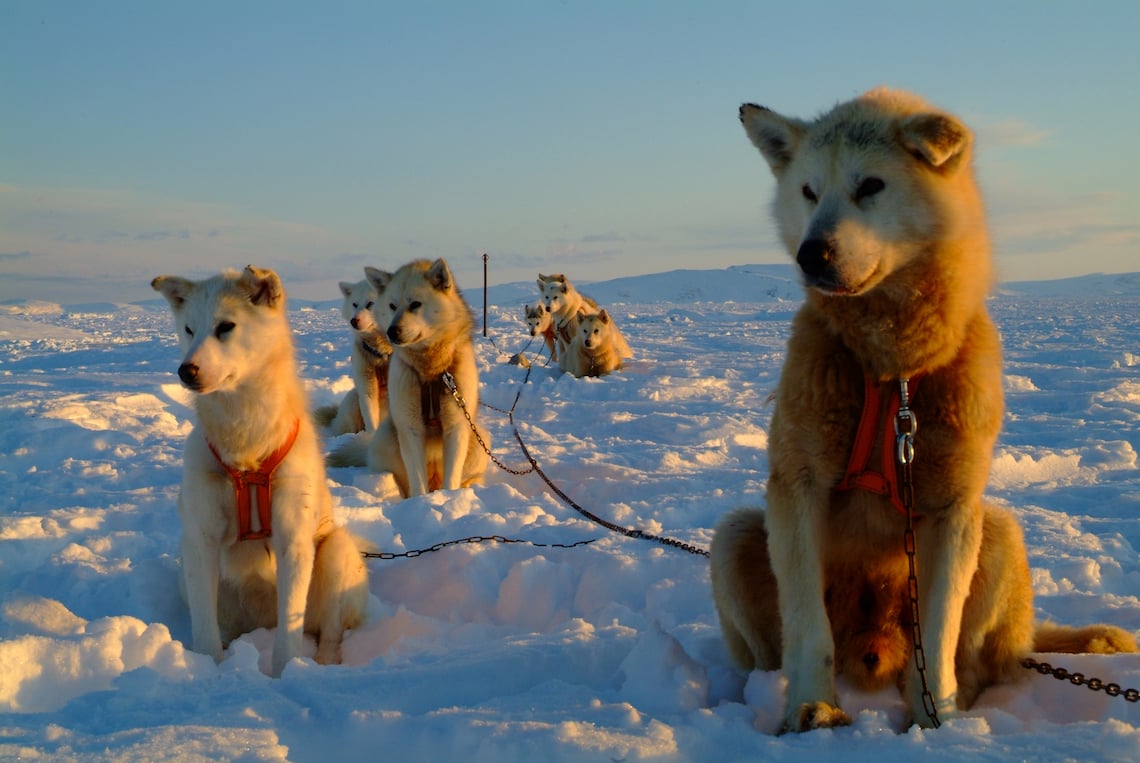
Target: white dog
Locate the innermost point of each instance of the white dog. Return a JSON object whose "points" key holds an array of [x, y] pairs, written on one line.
{"points": [[366, 405], [538, 321], [259, 545]]}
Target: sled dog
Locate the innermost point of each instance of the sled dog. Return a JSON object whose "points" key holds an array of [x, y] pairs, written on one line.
{"points": [[563, 302], [876, 202], [538, 322], [426, 442], [597, 347], [259, 545], [367, 403]]}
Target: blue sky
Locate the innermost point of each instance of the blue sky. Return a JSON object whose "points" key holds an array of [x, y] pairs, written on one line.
{"points": [[598, 139]]}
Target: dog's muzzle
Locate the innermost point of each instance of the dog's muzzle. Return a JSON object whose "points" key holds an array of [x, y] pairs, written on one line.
{"points": [[188, 373], [814, 257]]}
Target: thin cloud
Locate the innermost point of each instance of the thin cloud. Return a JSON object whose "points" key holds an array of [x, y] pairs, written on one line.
{"points": [[1011, 133]]}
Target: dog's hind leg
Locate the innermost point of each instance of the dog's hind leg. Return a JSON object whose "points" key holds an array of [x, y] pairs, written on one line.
{"points": [[997, 623], [744, 590], [338, 594]]}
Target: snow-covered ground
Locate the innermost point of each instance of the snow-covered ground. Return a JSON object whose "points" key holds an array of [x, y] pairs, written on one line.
{"points": [[514, 652]]}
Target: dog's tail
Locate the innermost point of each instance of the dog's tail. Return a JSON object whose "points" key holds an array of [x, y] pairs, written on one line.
{"points": [[324, 415], [351, 452], [1089, 639]]}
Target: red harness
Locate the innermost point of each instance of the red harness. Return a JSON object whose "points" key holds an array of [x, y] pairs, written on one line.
{"points": [[261, 479], [876, 426]]}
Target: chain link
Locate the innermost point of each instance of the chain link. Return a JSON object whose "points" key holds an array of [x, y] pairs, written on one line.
{"points": [[1078, 679], [473, 539]]}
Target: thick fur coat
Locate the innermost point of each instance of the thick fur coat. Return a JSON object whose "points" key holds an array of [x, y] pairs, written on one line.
{"points": [[877, 203], [308, 576]]}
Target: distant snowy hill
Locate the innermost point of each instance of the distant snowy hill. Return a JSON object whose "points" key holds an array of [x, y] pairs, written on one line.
{"points": [[1092, 285], [740, 283]]}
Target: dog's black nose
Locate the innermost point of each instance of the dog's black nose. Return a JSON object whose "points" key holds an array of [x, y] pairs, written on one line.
{"points": [[355, 322], [814, 257], [394, 334], [188, 373]]}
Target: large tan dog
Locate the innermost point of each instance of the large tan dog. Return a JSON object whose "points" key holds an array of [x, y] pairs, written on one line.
{"points": [[427, 442], [876, 201], [259, 545]]}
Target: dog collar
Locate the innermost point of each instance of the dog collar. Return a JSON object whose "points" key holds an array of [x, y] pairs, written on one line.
{"points": [[259, 478], [373, 351], [881, 403]]}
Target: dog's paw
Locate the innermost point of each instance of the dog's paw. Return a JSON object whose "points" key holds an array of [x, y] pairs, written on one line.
{"points": [[815, 715]]}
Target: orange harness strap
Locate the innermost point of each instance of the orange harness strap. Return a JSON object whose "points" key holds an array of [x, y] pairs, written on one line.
{"points": [[876, 425], [261, 479]]}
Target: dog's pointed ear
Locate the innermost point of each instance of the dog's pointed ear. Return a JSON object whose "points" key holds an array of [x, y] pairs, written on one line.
{"points": [[345, 288], [263, 286], [541, 281], [174, 288], [378, 278], [603, 316], [940, 140], [439, 275], [776, 137]]}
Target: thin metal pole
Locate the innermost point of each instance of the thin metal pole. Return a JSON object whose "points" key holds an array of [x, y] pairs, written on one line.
{"points": [[484, 294]]}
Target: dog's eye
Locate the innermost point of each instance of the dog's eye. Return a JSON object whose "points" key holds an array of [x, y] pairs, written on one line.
{"points": [[223, 328], [189, 331], [868, 188], [392, 306], [809, 194], [415, 306], [368, 306]]}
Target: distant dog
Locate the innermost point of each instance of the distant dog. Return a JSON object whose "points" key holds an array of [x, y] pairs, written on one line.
{"points": [[427, 442], [877, 204], [597, 348], [366, 405], [538, 322], [563, 302], [259, 545]]}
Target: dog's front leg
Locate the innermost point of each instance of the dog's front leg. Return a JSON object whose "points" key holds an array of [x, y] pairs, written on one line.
{"points": [[413, 451], [795, 538], [295, 553], [456, 440], [368, 395], [948, 545], [201, 560]]}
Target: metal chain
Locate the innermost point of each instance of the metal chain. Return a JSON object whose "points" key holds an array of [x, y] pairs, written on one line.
{"points": [[906, 424], [449, 382], [1078, 679], [473, 539], [453, 388]]}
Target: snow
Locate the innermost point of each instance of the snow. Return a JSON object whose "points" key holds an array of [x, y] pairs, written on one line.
{"points": [[504, 652]]}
